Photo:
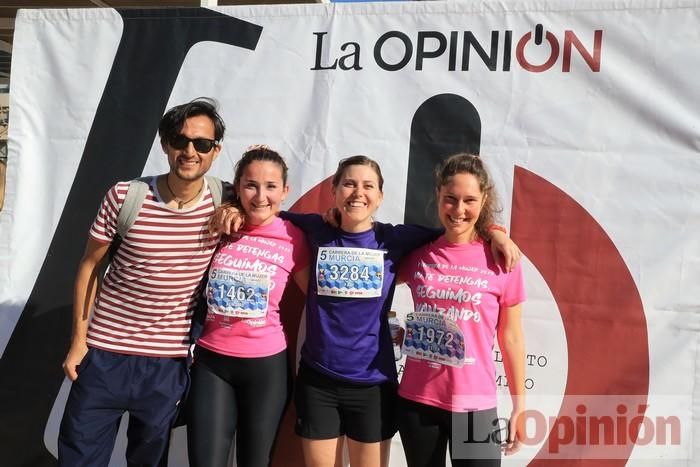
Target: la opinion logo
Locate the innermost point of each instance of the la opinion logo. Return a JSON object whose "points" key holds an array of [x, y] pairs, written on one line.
{"points": [[597, 298], [395, 50]]}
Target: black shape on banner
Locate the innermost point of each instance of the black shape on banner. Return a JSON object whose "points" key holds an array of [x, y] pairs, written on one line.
{"points": [[443, 125], [153, 46]]}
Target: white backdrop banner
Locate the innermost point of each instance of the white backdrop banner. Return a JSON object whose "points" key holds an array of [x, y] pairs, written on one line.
{"points": [[587, 113]]}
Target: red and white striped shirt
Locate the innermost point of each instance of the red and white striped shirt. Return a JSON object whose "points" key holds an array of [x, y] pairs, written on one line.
{"points": [[145, 303]]}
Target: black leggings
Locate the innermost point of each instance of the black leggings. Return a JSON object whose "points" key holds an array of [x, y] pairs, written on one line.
{"points": [[426, 430], [235, 398]]}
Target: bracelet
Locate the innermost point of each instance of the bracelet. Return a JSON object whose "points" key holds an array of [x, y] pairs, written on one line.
{"points": [[497, 227]]}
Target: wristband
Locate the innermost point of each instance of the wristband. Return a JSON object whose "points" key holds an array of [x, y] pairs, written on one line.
{"points": [[497, 227]]}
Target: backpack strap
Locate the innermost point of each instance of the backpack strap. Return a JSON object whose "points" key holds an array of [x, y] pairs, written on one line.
{"points": [[216, 188], [135, 195]]}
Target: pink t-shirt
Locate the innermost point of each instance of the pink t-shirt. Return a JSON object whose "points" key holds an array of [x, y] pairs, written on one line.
{"points": [[458, 291], [247, 277]]}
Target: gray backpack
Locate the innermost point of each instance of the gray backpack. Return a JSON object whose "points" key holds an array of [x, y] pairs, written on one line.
{"points": [[135, 196]]}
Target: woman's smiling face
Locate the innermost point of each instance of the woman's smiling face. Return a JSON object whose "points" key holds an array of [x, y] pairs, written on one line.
{"points": [[357, 196], [459, 205], [261, 190]]}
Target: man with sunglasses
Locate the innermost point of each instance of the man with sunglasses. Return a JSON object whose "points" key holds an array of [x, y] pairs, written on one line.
{"points": [[132, 355]]}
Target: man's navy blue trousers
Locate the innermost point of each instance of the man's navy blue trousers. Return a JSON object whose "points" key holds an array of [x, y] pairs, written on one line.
{"points": [[109, 384]]}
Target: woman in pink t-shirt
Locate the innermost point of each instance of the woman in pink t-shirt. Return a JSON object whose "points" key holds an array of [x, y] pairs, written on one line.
{"points": [[241, 380], [463, 298]]}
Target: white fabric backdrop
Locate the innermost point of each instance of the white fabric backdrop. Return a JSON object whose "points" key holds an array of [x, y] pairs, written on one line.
{"points": [[623, 142]]}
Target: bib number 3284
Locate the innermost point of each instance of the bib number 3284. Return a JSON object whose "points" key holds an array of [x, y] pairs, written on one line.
{"points": [[349, 272]]}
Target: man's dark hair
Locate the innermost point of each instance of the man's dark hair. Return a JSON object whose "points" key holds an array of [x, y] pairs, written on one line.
{"points": [[172, 122]]}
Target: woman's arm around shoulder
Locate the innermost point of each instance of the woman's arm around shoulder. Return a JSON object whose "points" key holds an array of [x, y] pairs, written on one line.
{"points": [[411, 236], [308, 223], [503, 246]]}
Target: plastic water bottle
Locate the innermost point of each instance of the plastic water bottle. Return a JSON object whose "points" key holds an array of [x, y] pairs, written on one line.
{"points": [[395, 330]]}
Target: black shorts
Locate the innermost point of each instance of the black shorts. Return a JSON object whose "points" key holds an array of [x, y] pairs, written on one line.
{"points": [[328, 408]]}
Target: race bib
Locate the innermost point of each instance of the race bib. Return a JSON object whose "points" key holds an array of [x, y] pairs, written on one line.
{"points": [[242, 294], [349, 272], [431, 337]]}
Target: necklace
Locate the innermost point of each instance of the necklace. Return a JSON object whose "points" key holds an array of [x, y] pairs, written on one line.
{"points": [[181, 203]]}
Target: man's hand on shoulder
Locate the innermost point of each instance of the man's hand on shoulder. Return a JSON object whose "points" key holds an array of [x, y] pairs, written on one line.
{"points": [[227, 218]]}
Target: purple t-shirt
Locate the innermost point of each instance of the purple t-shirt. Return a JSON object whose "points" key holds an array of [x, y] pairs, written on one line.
{"points": [[351, 287]]}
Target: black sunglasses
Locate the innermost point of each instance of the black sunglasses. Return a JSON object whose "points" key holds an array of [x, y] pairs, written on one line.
{"points": [[201, 145]]}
